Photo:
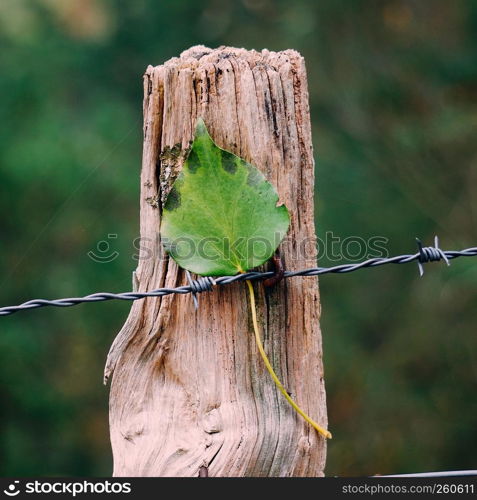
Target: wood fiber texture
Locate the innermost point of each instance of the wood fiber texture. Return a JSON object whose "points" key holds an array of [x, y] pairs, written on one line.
{"points": [[189, 389]]}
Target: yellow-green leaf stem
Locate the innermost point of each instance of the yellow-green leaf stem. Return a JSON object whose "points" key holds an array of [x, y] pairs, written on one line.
{"points": [[258, 340]]}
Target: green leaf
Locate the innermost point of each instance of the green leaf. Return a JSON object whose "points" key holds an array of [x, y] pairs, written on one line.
{"points": [[221, 216]]}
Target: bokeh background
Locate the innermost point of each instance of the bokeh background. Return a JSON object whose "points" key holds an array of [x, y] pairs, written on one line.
{"points": [[393, 89]]}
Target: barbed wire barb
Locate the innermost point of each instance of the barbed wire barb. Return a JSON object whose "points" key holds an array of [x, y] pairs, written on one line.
{"points": [[430, 254]]}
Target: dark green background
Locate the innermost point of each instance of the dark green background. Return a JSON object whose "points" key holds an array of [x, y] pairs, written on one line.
{"points": [[393, 88]]}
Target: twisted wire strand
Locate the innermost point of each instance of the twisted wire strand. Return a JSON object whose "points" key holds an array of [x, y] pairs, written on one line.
{"points": [[425, 254], [448, 473]]}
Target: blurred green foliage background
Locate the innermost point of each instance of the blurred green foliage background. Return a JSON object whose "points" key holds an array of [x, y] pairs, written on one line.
{"points": [[393, 88]]}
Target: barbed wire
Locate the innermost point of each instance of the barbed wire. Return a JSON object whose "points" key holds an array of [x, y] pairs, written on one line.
{"points": [[203, 284], [447, 473]]}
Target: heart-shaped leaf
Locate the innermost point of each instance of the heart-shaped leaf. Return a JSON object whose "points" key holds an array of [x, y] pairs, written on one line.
{"points": [[221, 215]]}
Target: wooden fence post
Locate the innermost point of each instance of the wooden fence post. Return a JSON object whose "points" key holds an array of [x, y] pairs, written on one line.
{"points": [[189, 388]]}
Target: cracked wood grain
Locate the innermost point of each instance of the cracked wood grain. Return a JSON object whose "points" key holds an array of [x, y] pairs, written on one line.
{"points": [[188, 389]]}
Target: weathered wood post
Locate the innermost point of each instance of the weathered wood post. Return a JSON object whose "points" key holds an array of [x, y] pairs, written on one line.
{"points": [[189, 388]]}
